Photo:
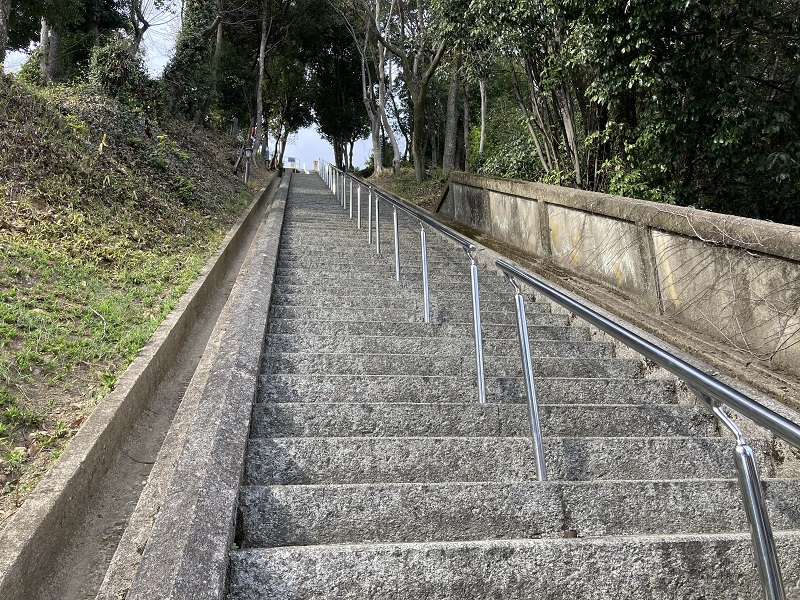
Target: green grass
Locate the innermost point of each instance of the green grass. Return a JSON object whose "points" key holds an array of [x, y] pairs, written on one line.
{"points": [[101, 231], [426, 194]]}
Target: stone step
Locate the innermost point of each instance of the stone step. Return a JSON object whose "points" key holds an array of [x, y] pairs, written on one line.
{"points": [[412, 364], [361, 251], [391, 297], [356, 244], [409, 328], [419, 388], [443, 346], [300, 515], [370, 264], [360, 269], [356, 241], [379, 278], [554, 327], [304, 460], [658, 567], [357, 260], [408, 314], [480, 420], [443, 294]]}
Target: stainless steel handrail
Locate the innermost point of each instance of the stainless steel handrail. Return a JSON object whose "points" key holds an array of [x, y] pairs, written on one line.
{"points": [[424, 220], [715, 395], [755, 411]]}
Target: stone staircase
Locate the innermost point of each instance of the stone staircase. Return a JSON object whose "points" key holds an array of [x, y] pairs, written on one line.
{"points": [[372, 471]]}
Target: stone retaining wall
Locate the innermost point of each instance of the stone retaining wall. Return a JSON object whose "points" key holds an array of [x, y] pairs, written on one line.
{"points": [[736, 279]]}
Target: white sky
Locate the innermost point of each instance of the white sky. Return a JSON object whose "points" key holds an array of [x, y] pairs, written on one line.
{"points": [[159, 44]]}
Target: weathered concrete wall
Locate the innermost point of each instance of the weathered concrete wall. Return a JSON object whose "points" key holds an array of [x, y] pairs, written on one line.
{"points": [[736, 279]]}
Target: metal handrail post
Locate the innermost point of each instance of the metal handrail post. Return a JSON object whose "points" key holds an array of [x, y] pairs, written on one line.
{"points": [[377, 225], [369, 217], [476, 320], [358, 189], [769, 569], [425, 294], [351, 197], [755, 507], [530, 385], [396, 245], [697, 379]]}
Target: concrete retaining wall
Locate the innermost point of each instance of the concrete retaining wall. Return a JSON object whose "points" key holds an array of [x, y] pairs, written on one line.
{"points": [[735, 279]]}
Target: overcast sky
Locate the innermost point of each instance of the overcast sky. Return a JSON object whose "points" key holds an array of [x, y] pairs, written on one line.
{"points": [[159, 44]]}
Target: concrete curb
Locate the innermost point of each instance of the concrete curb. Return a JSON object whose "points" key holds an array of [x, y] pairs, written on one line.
{"points": [[34, 536], [186, 555]]}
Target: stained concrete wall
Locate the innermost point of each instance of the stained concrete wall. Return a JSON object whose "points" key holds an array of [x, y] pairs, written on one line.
{"points": [[735, 279]]}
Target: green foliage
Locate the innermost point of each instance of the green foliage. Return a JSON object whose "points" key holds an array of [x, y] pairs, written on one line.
{"points": [[676, 101], [188, 74], [704, 98], [80, 25], [508, 148], [335, 84], [97, 246], [30, 72], [115, 71]]}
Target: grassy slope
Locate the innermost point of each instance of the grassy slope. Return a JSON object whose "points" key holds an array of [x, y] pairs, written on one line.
{"points": [[102, 228], [426, 194]]}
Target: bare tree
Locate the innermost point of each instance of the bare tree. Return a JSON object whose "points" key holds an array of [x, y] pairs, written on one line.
{"points": [[451, 124], [5, 11], [419, 55]]}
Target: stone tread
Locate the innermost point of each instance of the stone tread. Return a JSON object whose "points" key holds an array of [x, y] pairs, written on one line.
{"points": [[421, 512], [302, 460], [443, 346], [690, 567], [480, 420], [414, 364], [421, 388], [542, 324]]}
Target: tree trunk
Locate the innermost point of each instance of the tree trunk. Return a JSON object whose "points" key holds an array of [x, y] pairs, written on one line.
{"points": [[374, 117], [262, 51], [451, 124], [284, 137], [54, 56], [396, 158], [418, 134], [215, 67], [44, 48], [5, 11], [375, 138], [570, 131], [466, 126], [277, 152], [484, 109], [139, 25], [434, 138]]}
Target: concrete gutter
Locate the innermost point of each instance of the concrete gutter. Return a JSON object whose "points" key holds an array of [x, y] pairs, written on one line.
{"points": [[186, 554], [33, 538]]}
